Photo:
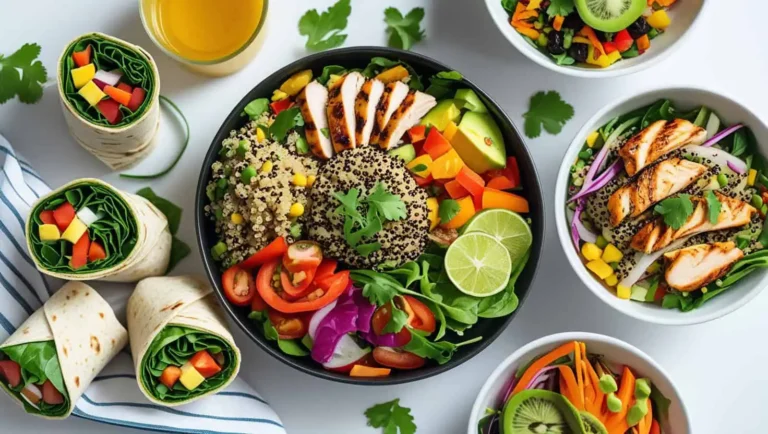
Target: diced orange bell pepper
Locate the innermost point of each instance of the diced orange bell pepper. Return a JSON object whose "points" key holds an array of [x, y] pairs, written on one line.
{"points": [[170, 376], [80, 252], [447, 166], [82, 58], [368, 371], [421, 166], [96, 252], [557, 23], [470, 180], [466, 211], [64, 215], [455, 190], [500, 183], [501, 199], [643, 43], [204, 364], [436, 144], [417, 133], [118, 95]]}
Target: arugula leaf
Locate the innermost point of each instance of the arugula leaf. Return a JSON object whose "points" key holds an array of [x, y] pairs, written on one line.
{"points": [[256, 108], [441, 352], [397, 321], [390, 416], [448, 210], [288, 346], [404, 31], [21, 75], [285, 121], [323, 31], [560, 7], [713, 206], [675, 210], [546, 109]]}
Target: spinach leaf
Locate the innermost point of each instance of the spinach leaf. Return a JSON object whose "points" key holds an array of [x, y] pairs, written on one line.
{"points": [[442, 83], [179, 249], [256, 108], [284, 122], [39, 362]]}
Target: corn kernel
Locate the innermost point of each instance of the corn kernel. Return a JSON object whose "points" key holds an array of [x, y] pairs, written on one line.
{"points": [[266, 167], [260, 136], [599, 267], [623, 292], [751, 178], [237, 218], [591, 251], [592, 138], [297, 210], [279, 95], [311, 180], [612, 280], [659, 19], [299, 180], [612, 254]]}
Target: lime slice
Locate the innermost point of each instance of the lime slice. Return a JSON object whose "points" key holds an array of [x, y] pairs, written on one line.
{"points": [[478, 264], [506, 226]]}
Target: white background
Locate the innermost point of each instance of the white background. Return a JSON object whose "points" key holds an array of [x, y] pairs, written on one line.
{"points": [[719, 366]]}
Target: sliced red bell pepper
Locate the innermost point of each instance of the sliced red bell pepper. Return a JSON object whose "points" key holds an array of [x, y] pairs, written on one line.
{"points": [[80, 252], [204, 364], [47, 217], [326, 268], [137, 98], [300, 288], [455, 190], [96, 252], [281, 105], [64, 215], [471, 181], [331, 288], [110, 109], [118, 95], [513, 171], [623, 40], [82, 58], [125, 87], [417, 133], [272, 251], [436, 144]]}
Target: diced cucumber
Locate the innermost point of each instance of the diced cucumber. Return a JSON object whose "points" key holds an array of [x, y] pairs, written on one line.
{"points": [[638, 293]]}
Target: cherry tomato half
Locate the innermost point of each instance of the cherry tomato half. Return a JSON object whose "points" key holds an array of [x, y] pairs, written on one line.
{"points": [[393, 358], [423, 318], [380, 319], [289, 326], [302, 256], [238, 286]]}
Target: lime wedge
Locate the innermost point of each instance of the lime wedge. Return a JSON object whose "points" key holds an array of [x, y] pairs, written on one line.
{"points": [[506, 226], [478, 264]]}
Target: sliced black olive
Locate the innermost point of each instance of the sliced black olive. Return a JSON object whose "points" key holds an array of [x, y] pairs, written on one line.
{"points": [[573, 21], [638, 28], [578, 52], [555, 42]]}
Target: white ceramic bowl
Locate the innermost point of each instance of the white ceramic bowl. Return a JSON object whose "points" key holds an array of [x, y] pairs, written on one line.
{"points": [[684, 13], [730, 112], [613, 349]]}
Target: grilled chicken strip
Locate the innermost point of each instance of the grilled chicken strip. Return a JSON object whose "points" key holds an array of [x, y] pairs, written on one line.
{"points": [[658, 139], [312, 101], [341, 110], [394, 95], [696, 266], [653, 185], [656, 235], [410, 112], [365, 110]]}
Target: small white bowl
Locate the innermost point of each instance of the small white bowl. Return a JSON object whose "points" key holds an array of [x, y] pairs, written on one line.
{"points": [[684, 14], [613, 349], [730, 112]]}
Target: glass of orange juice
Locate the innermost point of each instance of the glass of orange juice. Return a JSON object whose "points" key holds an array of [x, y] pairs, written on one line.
{"points": [[213, 37]]}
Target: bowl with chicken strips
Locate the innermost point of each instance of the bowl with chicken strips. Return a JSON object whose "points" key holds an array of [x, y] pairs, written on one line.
{"points": [[662, 203]]}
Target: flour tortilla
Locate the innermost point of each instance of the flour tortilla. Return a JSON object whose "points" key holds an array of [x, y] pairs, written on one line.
{"points": [[86, 333], [186, 301], [149, 257]]}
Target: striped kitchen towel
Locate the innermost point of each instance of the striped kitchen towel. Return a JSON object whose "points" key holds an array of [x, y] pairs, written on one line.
{"points": [[113, 397]]}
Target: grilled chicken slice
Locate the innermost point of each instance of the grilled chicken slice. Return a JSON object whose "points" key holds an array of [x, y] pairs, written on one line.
{"points": [[394, 94], [658, 139], [365, 110], [341, 110], [656, 235], [410, 112], [653, 185], [696, 266], [312, 101]]}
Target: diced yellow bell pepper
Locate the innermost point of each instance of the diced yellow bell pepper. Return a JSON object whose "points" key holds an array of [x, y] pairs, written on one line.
{"points": [[659, 19], [447, 166], [605, 60], [190, 378], [751, 177], [82, 75], [599, 267], [426, 161], [297, 82], [260, 136], [391, 75], [612, 280], [432, 206], [591, 251], [278, 95], [49, 233], [614, 56], [533, 5], [623, 292], [74, 231], [450, 130], [92, 93], [592, 138], [612, 254]]}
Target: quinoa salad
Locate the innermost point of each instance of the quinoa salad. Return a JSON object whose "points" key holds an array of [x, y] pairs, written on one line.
{"points": [[367, 218]]}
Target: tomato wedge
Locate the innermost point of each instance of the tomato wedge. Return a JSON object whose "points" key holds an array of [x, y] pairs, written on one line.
{"points": [[329, 288], [47, 217], [11, 372], [297, 285], [380, 319], [272, 251], [51, 396], [289, 326], [423, 318], [397, 359], [205, 364], [238, 286], [302, 256]]}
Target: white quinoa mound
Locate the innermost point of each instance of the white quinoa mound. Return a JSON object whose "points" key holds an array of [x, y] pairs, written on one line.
{"points": [[362, 168]]}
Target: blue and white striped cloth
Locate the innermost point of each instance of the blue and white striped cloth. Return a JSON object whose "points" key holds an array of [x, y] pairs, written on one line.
{"points": [[113, 397]]}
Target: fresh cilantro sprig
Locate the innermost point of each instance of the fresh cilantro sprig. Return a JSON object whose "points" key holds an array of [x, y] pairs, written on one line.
{"points": [[285, 121], [448, 210], [323, 31], [21, 75], [713, 206], [390, 416], [675, 210], [397, 321], [364, 217], [560, 7], [548, 110], [404, 31]]}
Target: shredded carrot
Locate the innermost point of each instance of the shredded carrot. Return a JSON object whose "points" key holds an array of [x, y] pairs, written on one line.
{"points": [[367, 371], [592, 36], [573, 392], [541, 363], [589, 390], [579, 374], [521, 24], [557, 24], [597, 404], [520, 8], [527, 15]]}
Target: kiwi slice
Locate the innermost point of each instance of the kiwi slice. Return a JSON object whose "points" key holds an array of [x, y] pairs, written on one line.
{"points": [[592, 425], [540, 412], [610, 15]]}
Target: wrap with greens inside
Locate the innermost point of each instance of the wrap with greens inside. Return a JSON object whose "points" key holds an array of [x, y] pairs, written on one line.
{"points": [[181, 346], [52, 358], [89, 230], [116, 134]]}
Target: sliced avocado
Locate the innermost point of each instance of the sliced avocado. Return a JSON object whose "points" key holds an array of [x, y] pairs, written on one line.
{"points": [[470, 101], [405, 153], [445, 111], [479, 142]]}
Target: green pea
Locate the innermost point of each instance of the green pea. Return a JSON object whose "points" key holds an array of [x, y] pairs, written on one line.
{"points": [[221, 184], [608, 384], [642, 388], [567, 40], [578, 182], [637, 412], [538, 25], [602, 243], [247, 173], [653, 33], [613, 403], [547, 30], [217, 250], [580, 164], [757, 201], [542, 40], [243, 146], [302, 146], [722, 180]]}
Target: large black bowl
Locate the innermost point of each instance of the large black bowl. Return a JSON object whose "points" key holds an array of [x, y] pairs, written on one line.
{"points": [[359, 57]]}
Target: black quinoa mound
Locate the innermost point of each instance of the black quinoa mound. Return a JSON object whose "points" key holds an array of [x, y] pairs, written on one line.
{"points": [[362, 168]]}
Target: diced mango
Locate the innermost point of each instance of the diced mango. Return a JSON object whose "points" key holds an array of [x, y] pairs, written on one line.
{"points": [[447, 166], [450, 130], [612, 254], [599, 267], [432, 206], [659, 19], [297, 82], [623, 292], [92, 93], [391, 75], [580, 40], [751, 177], [533, 5], [425, 161], [278, 95], [612, 280], [190, 378], [466, 211], [592, 138], [74, 231], [49, 233], [591, 251], [82, 75]]}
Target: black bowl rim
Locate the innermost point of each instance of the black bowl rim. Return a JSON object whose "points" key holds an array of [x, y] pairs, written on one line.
{"points": [[535, 195]]}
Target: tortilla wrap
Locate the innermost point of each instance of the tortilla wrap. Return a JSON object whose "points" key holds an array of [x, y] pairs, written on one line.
{"points": [[86, 335], [183, 301], [152, 239]]}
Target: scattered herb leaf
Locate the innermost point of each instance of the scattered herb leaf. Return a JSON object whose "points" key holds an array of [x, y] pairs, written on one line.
{"points": [[564, 59], [326, 132], [328, 71], [323, 31], [739, 143], [397, 321], [21, 75], [256, 108], [404, 31], [419, 168], [713, 206], [448, 210], [546, 109], [675, 210], [379, 206], [285, 121], [390, 416], [560, 7]]}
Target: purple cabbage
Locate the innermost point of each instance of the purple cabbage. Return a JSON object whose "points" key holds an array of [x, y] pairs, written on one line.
{"points": [[351, 314]]}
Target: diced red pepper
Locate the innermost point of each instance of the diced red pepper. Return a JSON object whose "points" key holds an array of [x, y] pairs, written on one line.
{"points": [[436, 144], [170, 376], [609, 47], [471, 181], [137, 98], [204, 364], [80, 252], [110, 109], [125, 87], [64, 215], [417, 133], [623, 40], [96, 252], [82, 58], [513, 171], [501, 183], [455, 190], [118, 95], [51, 396], [423, 182], [47, 217], [281, 105]]}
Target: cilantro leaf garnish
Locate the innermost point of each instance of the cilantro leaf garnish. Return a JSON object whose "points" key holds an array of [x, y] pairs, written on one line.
{"points": [[448, 210], [21, 75], [546, 109], [390, 416], [323, 31], [285, 121], [404, 31], [675, 210], [364, 216], [713, 206], [560, 7], [397, 321], [386, 204]]}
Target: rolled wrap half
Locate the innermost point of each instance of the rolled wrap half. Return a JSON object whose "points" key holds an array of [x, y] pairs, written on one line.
{"points": [[127, 141], [133, 233], [67, 342], [170, 321]]}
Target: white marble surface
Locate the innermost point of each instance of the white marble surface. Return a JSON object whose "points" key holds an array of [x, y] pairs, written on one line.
{"points": [[718, 366]]}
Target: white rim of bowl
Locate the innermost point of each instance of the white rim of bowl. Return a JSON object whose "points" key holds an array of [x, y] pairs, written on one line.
{"points": [[563, 227], [478, 408], [517, 41]]}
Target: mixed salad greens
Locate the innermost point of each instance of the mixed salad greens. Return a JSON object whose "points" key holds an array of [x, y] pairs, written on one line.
{"points": [[669, 206]]}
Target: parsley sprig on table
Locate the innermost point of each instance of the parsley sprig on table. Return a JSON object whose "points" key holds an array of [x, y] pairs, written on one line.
{"points": [[546, 110], [323, 31], [390, 416], [21, 75], [404, 31]]}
